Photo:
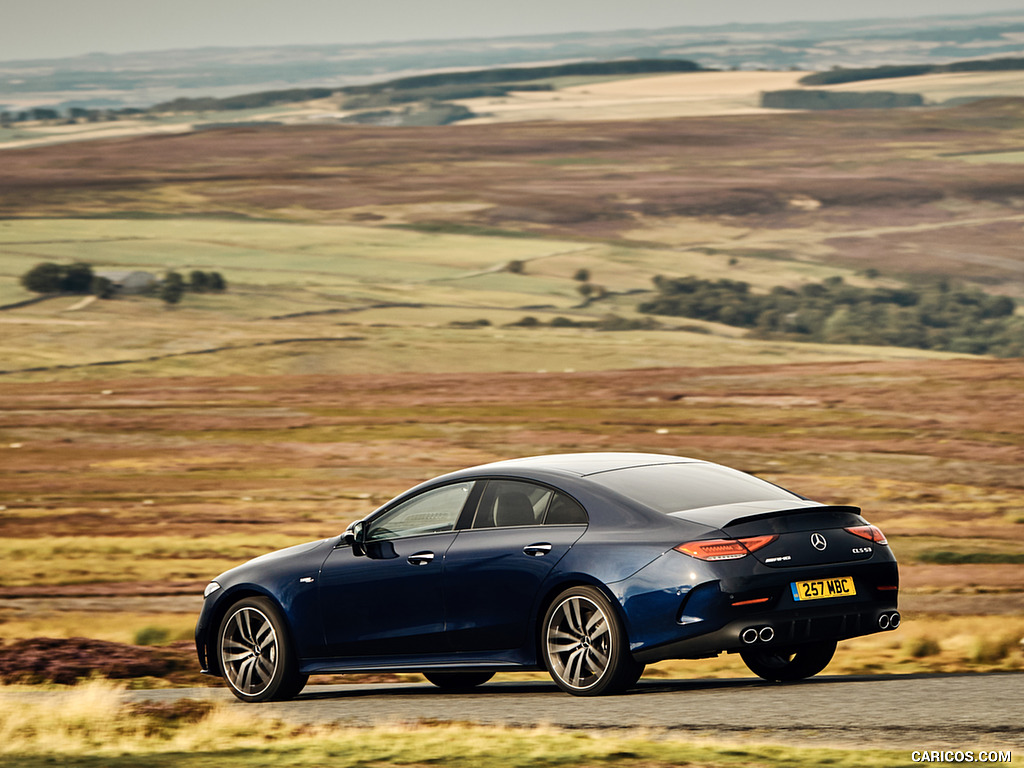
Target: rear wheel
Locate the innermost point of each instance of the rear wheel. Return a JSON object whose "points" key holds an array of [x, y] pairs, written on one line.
{"points": [[458, 681], [584, 645], [254, 652], [788, 664]]}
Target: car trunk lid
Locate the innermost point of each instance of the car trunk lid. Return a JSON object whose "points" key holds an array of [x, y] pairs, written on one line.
{"points": [[808, 534]]}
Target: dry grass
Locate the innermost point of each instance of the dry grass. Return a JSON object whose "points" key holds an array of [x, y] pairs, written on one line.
{"points": [[93, 722], [100, 624], [88, 559]]}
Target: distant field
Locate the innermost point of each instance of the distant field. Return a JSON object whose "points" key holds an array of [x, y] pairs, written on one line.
{"points": [[946, 86], [587, 98], [118, 488], [315, 298], [735, 196], [639, 98], [634, 97]]}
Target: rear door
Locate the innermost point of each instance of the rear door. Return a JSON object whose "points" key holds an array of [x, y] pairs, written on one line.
{"points": [[495, 568]]}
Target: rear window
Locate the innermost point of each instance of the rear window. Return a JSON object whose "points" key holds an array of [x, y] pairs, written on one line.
{"points": [[671, 488]]}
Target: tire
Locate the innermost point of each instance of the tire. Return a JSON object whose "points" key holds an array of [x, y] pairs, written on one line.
{"points": [[254, 652], [584, 645], [458, 681], [787, 664]]}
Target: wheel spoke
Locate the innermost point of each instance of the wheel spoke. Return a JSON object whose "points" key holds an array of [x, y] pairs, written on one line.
{"points": [[267, 630], [559, 641], [571, 644], [596, 660], [574, 667], [237, 656], [574, 623], [242, 622], [265, 667], [245, 670]]}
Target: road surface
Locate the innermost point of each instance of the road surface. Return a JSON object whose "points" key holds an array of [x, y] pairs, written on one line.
{"points": [[887, 711]]}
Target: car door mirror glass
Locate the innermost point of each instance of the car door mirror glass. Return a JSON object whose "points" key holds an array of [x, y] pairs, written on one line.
{"points": [[355, 537]]}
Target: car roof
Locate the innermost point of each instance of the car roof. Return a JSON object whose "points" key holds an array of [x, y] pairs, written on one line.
{"points": [[584, 464]]}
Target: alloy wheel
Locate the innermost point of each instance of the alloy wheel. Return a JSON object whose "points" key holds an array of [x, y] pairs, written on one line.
{"points": [[249, 651], [579, 642]]}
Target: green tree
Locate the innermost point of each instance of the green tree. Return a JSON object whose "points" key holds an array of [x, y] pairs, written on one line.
{"points": [[198, 281], [102, 287], [217, 282], [77, 278], [44, 278], [172, 288]]}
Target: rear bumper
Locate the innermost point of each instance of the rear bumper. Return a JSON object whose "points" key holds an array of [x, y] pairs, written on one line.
{"points": [[789, 628], [714, 603]]}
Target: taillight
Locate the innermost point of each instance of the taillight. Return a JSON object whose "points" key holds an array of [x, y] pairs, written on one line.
{"points": [[869, 532], [724, 549]]}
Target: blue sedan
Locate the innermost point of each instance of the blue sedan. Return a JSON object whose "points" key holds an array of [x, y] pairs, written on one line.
{"points": [[587, 565]]}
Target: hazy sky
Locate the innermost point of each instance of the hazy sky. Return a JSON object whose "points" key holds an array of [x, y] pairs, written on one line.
{"points": [[55, 28]]}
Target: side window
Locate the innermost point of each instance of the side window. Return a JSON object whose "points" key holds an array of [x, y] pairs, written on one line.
{"points": [[564, 511], [511, 502], [434, 511], [507, 503]]}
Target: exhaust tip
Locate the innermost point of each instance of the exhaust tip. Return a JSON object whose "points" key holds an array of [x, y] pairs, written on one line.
{"points": [[766, 635], [749, 635], [894, 620], [883, 621]]}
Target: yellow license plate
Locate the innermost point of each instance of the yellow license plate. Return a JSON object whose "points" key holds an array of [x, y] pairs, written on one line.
{"points": [[820, 589]]}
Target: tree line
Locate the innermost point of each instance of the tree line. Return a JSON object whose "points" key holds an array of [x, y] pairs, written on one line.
{"points": [[72, 114], [797, 98], [939, 316], [522, 74], [79, 278], [857, 74], [443, 86]]}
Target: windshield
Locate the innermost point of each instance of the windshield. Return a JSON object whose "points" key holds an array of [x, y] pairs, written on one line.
{"points": [[671, 488]]}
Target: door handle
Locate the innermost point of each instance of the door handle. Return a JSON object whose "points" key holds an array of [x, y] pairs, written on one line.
{"points": [[537, 550], [421, 558]]}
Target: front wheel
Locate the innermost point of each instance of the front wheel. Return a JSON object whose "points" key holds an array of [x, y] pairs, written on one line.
{"points": [[254, 652], [788, 664], [584, 645]]}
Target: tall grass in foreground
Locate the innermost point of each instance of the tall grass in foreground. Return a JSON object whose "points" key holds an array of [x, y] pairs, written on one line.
{"points": [[93, 725]]}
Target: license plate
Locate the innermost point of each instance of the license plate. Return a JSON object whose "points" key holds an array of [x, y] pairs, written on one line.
{"points": [[820, 589]]}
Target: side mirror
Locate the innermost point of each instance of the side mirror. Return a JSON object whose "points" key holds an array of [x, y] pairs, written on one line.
{"points": [[355, 537]]}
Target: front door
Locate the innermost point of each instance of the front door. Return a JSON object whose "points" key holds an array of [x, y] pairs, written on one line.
{"points": [[389, 601]]}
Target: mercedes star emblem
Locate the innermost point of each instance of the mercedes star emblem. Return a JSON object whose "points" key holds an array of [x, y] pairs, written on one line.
{"points": [[818, 541]]}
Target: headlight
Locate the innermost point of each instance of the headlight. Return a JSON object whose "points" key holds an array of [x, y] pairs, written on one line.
{"points": [[212, 587]]}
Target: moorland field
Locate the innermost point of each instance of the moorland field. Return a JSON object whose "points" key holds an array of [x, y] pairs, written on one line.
{"points": [[403, 302]]}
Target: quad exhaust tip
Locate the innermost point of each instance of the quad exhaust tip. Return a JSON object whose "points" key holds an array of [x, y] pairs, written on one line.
{"points": [[751, 635], [889, 620]]}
